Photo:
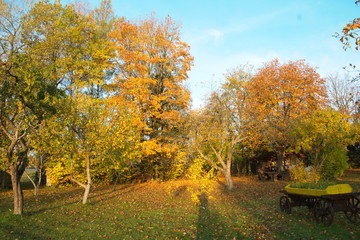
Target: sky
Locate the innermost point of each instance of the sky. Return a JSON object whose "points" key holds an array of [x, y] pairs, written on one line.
{"points": [[224, 34]]}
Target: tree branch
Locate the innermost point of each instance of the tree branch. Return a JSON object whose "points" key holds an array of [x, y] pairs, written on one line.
{"points": [[211, 162], [77, 182], [218, 156]]}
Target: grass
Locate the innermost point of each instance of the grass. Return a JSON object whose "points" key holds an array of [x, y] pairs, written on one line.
{"points": [[313, 185], [164, 210]]}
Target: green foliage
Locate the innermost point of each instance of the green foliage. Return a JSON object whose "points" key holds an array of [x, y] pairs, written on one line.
{"points": [[323, 136], [336, 164], [312, 185]]}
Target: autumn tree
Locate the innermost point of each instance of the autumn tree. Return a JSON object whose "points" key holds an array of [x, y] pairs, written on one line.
{"points": [[49, 51], [349, 37], [349, 34], [152, 65], [68, 44], [79, 54], [278, 95], [95, 137], [324, 135], [219, 128], [25, 97]]}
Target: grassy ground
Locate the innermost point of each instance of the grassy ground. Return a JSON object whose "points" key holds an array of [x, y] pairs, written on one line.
{"points": [[159, 210]]}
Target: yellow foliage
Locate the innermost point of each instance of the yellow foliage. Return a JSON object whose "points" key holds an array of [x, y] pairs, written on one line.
{"points": [[57, 174], [202, 179], [301, 174]]}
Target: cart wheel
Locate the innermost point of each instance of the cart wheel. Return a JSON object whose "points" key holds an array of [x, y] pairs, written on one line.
{"points": [[310, 203], [285, 204], [324, 212], [353, 205]]}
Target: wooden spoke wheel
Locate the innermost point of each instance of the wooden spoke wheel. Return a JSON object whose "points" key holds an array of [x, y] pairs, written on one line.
{"points": [[310, 203], [353, 205], [324, 212], [285, 204]]}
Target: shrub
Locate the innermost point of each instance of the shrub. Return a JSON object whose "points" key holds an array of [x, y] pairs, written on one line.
{"points": [[57, 174], [301, 174], [335, 164], [202, 179]]}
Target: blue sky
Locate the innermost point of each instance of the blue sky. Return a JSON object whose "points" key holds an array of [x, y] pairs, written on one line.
{"points": [[226, 33]]}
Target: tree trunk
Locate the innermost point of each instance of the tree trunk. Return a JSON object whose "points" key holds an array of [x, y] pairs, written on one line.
{"points": [[33, 183], [89, 182], [280, 155], [17, 190], [116, 180], [228, 178], [40, 175], [86, 193]]}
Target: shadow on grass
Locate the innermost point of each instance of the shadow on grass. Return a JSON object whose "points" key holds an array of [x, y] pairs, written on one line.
{"points": [[111, 193], [210, 223], [10, 230], [92, 200], [55, 199]]}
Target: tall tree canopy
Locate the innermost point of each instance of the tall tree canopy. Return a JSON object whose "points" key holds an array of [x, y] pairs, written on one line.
{"points": [[280, 94], [46, 52], [152, 65]]}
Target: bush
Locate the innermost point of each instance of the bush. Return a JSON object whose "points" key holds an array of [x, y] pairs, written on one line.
{"points": [[57, 174], [335, 165], [301, 174], [203, 179]]}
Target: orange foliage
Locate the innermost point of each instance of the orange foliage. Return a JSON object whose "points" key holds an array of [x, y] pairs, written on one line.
{"points": [[350, 32], [152, 65], [286, 91], [280, 94]]}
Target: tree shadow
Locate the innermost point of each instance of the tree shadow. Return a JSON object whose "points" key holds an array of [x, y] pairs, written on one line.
{"points": [[56, 197], [111, 194], [92, 200], [211, 224], [14, 231], [180, 190]]}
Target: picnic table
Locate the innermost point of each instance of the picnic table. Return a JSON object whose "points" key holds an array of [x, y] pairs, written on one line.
{"points": [[267, 174]]}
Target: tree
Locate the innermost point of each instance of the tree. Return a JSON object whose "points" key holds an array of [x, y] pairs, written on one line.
{"points": [[152, 64], [25, 98], [68, 45], [350, 37], [218, 129], [324, 135], [343, 94], [350, 33], [278, 95], [50, 50], [95, 135]]}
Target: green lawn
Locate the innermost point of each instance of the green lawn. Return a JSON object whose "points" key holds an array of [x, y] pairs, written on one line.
{"points": [[164, 210]]}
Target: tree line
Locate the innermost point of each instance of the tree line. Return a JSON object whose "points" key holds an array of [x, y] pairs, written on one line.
{"points": [[88, 97]]}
